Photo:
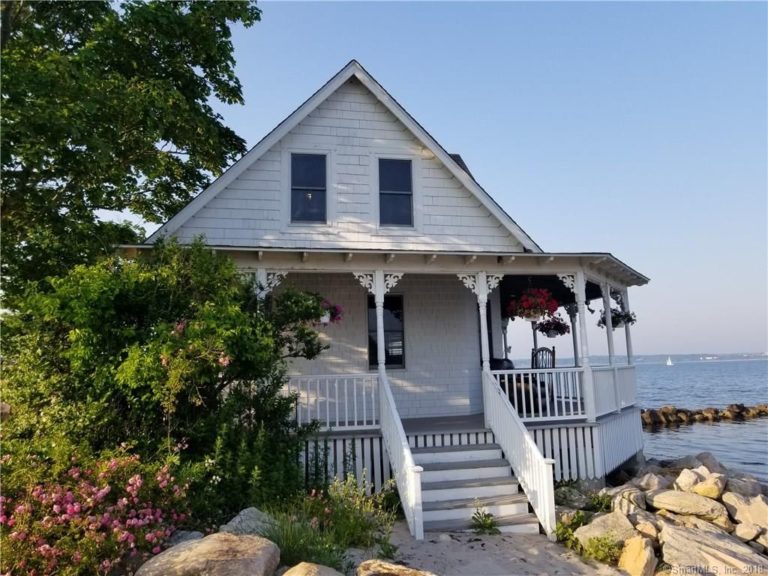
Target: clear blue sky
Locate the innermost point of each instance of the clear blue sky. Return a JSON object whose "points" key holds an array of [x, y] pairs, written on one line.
{"points": [[634, 128]]}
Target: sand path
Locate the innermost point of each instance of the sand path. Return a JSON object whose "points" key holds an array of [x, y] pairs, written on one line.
{"points": [[466, 554]]}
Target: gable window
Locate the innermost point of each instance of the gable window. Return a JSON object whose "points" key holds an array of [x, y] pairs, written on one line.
{"points": [[308, 187], [395, 192], [394, 335]]}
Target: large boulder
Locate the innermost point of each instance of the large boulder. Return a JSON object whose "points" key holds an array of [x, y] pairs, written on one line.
{"points": [[570, 497], [380, 568], [309, 569], [696, 551], [747, 531], [685, 503], [744, 509], [614, 524], [744, 485], [711, 463], [626, 499], [220, 554], [687, 479], [722, 524], [183, 536], [711, 487], [651, 481], [249, 521], [637, 557]]}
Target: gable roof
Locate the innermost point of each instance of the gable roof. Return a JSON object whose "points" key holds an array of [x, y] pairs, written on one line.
{"points": [[452, 162]]}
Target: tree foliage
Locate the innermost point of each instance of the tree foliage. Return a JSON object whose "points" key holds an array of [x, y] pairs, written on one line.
{"points": [[106, 107], [172, 349]]}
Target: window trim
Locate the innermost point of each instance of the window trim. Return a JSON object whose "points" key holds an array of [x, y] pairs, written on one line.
{"points": [[370, 331], [286, 191], [324, 189], [416, 198]]}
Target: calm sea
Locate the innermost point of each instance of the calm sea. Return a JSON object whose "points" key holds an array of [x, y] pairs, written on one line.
{"points": [[699, 382]]}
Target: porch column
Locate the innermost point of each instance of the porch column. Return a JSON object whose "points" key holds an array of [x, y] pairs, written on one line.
{"points": [[625, 307], [589, 385], [571, 309], [267, 281], [481, 285], [605, 288], [378, 284]]}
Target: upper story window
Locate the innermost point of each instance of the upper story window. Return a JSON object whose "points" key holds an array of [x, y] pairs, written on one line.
{"points": [[395, 192], [308, 187]]}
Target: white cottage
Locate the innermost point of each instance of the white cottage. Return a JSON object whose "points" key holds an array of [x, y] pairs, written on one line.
{"points": [[351, 198]]}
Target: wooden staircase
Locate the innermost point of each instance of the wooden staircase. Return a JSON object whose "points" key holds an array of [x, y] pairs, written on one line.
{"points": [[458, 479]]}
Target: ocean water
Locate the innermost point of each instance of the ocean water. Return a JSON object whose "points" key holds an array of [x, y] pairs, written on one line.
{"points": [[697, 382]]}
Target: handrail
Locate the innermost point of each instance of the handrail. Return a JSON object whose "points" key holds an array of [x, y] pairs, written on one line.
{"points": [[407, 473], [534, 472], [545, 393], [336, 401]]}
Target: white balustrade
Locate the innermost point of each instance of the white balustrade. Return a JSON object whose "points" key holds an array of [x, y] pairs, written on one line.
{"points": [[544, 394], [407, 473], [534, 472], [615, 388], [336, 401]]}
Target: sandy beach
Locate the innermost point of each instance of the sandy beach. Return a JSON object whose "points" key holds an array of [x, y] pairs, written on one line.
{"points": [[467, 554]]}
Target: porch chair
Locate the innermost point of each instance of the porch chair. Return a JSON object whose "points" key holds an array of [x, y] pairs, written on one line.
{"points": [[542, 358]]}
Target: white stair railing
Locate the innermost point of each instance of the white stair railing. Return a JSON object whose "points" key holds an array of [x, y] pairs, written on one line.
{"points": [[534, 472], [407, 473]]}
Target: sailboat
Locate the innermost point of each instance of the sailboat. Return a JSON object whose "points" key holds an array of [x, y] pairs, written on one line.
{"points": [[669, 361]]}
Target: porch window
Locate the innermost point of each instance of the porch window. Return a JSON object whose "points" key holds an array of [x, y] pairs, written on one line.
{"points": [[308, 188], [395, 193], [394, 335]]}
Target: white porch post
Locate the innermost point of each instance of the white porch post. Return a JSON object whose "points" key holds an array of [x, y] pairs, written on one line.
{"points": [[378, 297], [589, 385], [627, 332], [482, 301], [267, 281], [606, 290], [571, 310]]}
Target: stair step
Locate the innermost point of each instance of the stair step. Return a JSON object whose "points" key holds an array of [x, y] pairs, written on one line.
{"points": [[494, 463], [515, 523], [444, 471], [462, 448], [472, 488], [469, 453], [475, 502], [471, 483]]}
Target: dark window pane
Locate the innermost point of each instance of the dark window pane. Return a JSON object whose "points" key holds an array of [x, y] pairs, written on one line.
{"points": [[308, 171], [395, 209], [308, 205], [394, 336], [394, 175]]}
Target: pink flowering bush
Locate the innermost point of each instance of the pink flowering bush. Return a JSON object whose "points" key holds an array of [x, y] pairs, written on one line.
{"points": [[94, 517]]}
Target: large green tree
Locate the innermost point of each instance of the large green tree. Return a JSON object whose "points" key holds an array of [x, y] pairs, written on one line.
{"points": [[106, 106]]}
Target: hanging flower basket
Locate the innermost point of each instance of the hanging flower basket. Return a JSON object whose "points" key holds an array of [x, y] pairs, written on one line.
{"points": [[554, 326], [533, 305], [333, 313], [619, 318]]}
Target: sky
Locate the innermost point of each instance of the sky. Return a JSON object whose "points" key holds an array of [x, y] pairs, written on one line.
{"points": [[638, 129]]}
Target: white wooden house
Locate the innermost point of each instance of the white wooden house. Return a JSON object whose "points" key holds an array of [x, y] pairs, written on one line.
{"points": [[351, 198]]}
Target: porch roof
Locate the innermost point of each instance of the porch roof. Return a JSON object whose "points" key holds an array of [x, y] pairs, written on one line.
{"points": [[601, 265]]}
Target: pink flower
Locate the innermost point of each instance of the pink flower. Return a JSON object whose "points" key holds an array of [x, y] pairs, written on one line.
{"points": [[224, 361], [156, 550]]}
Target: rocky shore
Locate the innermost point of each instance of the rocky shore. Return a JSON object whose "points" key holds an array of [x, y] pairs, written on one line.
{"points": [[673, 416], [689, 515]]}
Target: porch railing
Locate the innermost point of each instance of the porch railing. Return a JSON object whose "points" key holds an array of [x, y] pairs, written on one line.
{"points": [[407, 473], [534, 472], [615, 388], [544, 394], [337, 401]]}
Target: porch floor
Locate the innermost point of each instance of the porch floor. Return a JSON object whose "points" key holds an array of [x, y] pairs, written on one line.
{"points": [[438, 424]]}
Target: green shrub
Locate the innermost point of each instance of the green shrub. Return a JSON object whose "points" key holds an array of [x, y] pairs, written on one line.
{"points": [[604, 549], [484, 523], [599, 503], [564, 530], [300, 540]]}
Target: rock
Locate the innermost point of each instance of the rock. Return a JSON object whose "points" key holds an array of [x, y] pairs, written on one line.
{"points": [[183, 536], [220, 554], [627, 499], [745, 486], [651, 481], [757, 546], [647, 529], [763, 539], [744, 509], [309, 569], [379, 568], [637, 557], [249, 521], [711, 487], [684, 462], [696, 551], [644, 516], [711, 463], [746, 531], [692, 522], [570, 497], [685, 503], [686, 480], [615, 524], [444, 538]]}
